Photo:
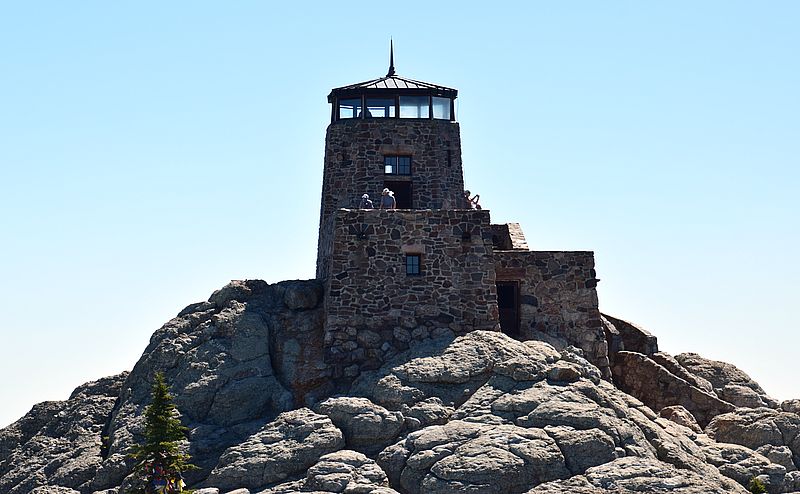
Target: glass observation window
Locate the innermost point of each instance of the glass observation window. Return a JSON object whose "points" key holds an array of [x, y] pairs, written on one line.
{"points": [[441, 108], [380, 108], [350, 108], [397, 165], [413, 262], [414, 107]]}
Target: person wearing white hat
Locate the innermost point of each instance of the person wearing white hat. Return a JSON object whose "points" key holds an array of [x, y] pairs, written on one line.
{"points": [[365, 202], [387, 199]]}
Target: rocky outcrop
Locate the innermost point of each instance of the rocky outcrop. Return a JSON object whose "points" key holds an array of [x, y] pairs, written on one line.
{"points": [[635, 475], [367, 427], [345, 471], [651, 382], [760, 427], [524, 415], [285, 447], [58, 444], [729, 382], [792, 406], [221, 361], [478, 413]]}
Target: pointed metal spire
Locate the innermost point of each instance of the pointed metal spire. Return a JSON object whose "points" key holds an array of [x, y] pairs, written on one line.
{"points": [[391, 58]]}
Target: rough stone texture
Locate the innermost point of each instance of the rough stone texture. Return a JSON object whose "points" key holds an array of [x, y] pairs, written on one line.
{"points": [[634, 338], [755, 428], [354, 152], [233, 363], [285, 447], [729, 382], [637, 475], [367, 427], [58, 443], [792, 406], [558, 299], [657, 387], [472, 457], [742, 464], [506, 401], [345, 471], [681, 416], [374, 309], [509, 236], [781, 455], [53, 489], [430, 411], [671, 364], [452, 371]]}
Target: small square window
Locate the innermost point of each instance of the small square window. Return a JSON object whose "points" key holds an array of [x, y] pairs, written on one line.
{"points": [[414, 264], [397, 165]]}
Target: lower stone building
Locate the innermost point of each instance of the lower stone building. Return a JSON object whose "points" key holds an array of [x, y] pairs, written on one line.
{"points": [[394, 277]]}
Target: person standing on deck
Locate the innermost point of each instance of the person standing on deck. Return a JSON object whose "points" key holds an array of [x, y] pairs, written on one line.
{"points": [[387, 200]]}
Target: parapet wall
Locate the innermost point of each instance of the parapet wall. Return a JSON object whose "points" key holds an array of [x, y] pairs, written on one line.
{"points": [[374, 309], [558, 299]]}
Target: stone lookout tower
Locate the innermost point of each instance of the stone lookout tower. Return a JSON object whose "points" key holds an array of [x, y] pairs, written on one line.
{"points": [[434, 266]]}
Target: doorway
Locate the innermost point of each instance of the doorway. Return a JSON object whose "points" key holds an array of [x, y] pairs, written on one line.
{"points": [[508, 305], [402, 193]]}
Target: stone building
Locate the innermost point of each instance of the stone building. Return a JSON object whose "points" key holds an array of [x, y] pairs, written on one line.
{"points": [[433, 266]]}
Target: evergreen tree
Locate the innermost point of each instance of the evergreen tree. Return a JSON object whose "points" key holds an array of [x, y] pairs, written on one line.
{"points": [[160, 457]]}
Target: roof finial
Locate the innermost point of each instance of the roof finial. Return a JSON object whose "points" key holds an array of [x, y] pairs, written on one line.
{"points": [[391, 58]]}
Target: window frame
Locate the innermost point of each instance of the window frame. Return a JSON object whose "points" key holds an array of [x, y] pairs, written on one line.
{"points": [[410, 265], [396, 167], [393, 108], [357, 110]]}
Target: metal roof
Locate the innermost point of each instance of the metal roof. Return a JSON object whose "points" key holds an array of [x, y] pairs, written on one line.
{"points": [[393, 82]]}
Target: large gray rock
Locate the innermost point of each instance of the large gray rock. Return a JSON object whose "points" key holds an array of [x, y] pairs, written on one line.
{"points": [[345, 471], [56, 447], [470, 457], [730, 383], [792, 406], [452, 371], [755, 428], [742, 464], [637, 475], [283, 448], [367, 427]]}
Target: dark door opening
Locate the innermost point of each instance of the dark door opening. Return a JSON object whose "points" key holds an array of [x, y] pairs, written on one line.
{"points": [[508, 304], [402, 193]]}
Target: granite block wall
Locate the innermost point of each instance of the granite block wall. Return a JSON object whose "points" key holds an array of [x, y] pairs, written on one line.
{"points": [[374, 309], [558, 299]]}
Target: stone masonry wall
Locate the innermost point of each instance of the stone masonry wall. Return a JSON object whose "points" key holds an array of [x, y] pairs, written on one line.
{"points": [[374, 309], [558, 299], [354, 152]]}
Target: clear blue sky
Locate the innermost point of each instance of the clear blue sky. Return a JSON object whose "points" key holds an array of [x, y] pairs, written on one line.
{"points": [[152, 151]]}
